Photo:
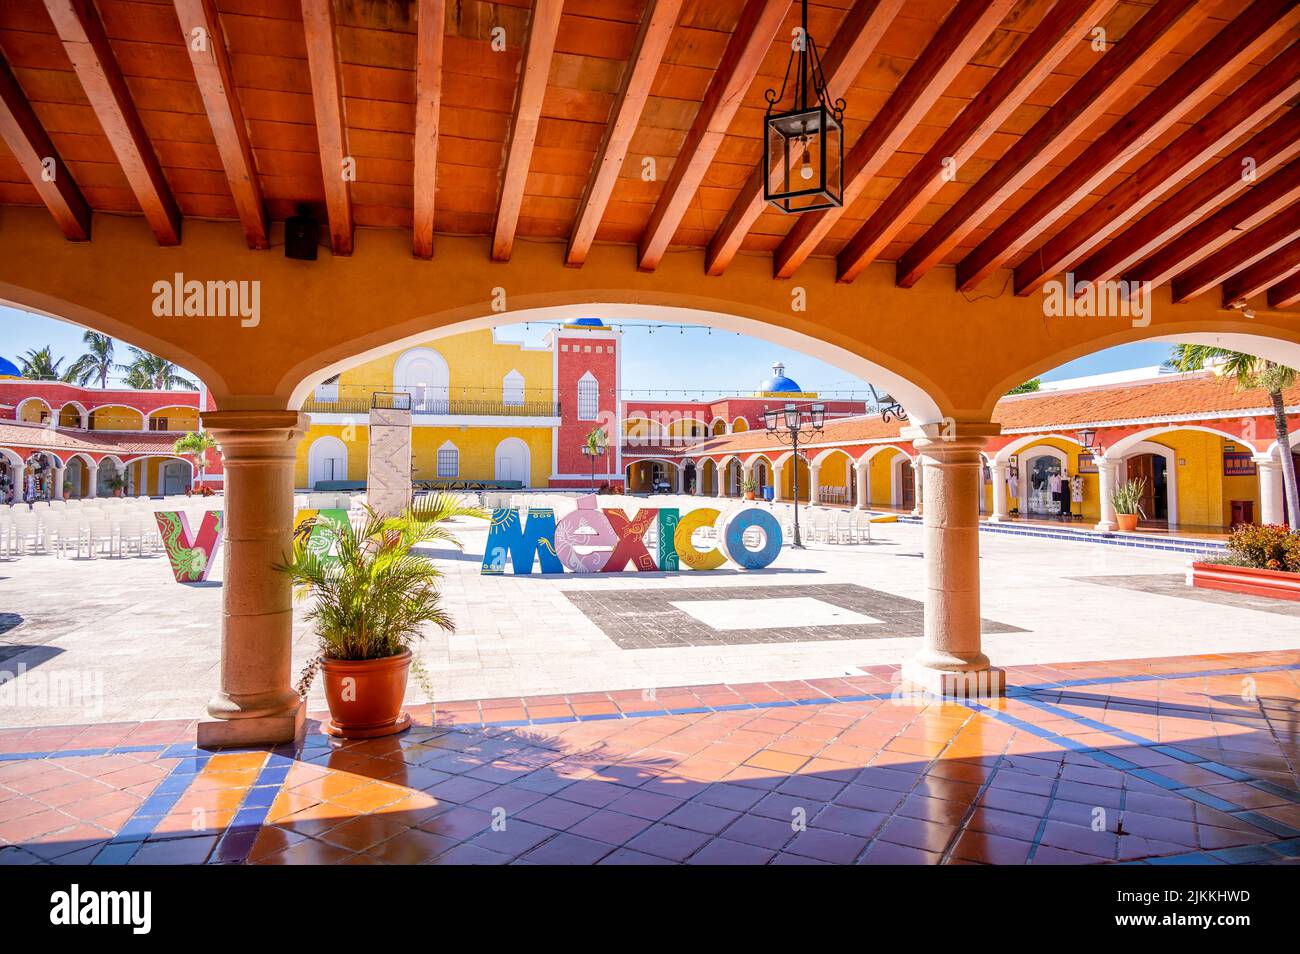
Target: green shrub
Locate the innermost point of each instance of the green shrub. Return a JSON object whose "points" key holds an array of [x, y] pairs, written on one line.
{"points": [[1268, 547]]}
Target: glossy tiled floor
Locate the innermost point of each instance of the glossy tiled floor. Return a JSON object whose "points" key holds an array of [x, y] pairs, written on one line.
{"points": [[1185, 760]]}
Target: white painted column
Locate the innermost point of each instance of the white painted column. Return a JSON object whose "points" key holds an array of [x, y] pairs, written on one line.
{"points": [[951, 661], [776, 485], [815, 484], [862, 473], [92, 481], [918, 486], [746, 473], [1107, 480], [999, 472], [56, 492], [1272, 490]]}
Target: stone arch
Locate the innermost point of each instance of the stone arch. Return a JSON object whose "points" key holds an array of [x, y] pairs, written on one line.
{"points": [[33, 410], [78, 409]]}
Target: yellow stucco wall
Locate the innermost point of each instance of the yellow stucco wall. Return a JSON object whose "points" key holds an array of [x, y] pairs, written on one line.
{"points": [[116, 417], [1204, 495], [477, 446], [881, 478], [476, 368], [182, 419]]}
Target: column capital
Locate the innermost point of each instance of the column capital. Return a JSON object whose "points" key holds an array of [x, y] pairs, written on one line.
{"points": [[951, 436], [254, 435]]}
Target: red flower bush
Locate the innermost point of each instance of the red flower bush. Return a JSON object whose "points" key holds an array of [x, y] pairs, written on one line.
{"points": [[1269, 547]]}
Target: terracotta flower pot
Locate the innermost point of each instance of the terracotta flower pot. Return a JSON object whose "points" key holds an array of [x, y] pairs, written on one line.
{"points": [[365, 695], [1128, 522], [749, 495]]}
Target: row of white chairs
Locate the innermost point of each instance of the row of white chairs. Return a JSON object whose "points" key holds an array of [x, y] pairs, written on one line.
{"points": [[821, 525], [114, 530]]}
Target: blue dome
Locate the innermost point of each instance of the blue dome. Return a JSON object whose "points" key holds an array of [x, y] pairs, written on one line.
{"points": [[778, 383], [588, 323], [9, 369]]}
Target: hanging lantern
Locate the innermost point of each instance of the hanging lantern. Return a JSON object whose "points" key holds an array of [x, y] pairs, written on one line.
{"points": [[803, 137]]}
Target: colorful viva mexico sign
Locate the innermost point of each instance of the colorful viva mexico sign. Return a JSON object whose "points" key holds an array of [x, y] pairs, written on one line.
{"points": [[593, 540]]}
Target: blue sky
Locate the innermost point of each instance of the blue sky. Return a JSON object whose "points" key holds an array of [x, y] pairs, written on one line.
{"points": [[665, 361]]}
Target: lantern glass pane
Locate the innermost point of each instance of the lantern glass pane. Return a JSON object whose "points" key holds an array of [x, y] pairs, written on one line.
{"points": [[804, 154]]}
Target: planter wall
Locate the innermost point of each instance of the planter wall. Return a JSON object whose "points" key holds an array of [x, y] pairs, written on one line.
{"points": [[1244, 579]]}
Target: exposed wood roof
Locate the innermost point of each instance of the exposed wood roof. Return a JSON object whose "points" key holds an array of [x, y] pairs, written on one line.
{"points": [[1102, 132]]}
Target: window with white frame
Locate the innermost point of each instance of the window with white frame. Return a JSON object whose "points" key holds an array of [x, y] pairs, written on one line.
{"points": [[448, 460], [588, 398], [512, 389]]}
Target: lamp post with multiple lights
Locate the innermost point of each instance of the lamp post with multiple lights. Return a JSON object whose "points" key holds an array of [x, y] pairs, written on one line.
{"points": [[788, 425]]}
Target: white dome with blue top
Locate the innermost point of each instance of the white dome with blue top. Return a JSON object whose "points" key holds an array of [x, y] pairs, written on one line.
{"points": [[8, 369], [778, 383]]}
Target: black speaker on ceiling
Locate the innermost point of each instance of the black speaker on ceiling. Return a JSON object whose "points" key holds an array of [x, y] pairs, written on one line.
{"points": [[301, 235]]}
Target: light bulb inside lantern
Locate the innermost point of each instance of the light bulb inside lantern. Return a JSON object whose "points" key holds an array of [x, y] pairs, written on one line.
{"points": [[805, 168]]}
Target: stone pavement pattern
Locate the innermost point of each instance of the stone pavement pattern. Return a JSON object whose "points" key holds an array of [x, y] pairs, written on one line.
{"points": [[1183, 760], [154, 644]]}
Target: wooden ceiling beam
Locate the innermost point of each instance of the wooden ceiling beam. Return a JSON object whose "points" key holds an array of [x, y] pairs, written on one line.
{"points": [[1259, 204], [657, 23], [534, 72], [945, 56], [336, 165], [1272, 148], [1067, 24], [855, 40], [1242, 40], [1265, 273], [1251, 104], [1285, 293], [430, 25], [211, 62], [84, 40], [1116, 72], [40, 161], [760, 22], [1259, 242]]}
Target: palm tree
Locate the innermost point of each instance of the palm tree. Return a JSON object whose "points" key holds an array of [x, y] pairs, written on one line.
{"points": [[148, 372], [195, 444], [594, 446], [96, 363], [1252, 374], [43, 366]]}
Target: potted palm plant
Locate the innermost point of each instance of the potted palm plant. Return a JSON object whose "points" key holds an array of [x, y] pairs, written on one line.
{"points": [[116, 484], [374, 595], [1127, 499], [749, 486]]}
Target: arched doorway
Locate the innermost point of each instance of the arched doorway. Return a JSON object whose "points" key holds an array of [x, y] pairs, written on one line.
{"points": [[1042, 473], [512, 461], [688, 477], [174, 477], [423, 374], [327, 459]]}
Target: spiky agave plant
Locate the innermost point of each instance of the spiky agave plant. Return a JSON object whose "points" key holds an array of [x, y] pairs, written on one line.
{"points": [[374, 596]]}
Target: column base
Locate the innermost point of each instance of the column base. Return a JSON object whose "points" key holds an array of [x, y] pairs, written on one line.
{"points": [[996, 518], [987, 682], [1105, 527], [260, 730]]}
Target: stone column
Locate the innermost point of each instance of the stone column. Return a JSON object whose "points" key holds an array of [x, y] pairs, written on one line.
{"points": [[1107, 479], [388, 464], [777, 496], [951, 661], [814, 485], [918, 485], [862, 473], [256, 702], [56, 492], [999, 474], [719, 482], [1272, 489], [92, 481]]}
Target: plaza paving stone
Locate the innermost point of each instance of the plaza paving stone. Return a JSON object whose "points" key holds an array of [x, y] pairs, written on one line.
{"points": [[146, 648], [1183, 760]]}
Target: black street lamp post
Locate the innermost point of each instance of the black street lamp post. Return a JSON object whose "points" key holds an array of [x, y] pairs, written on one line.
{"points": [[787, 425], [593, 452]]}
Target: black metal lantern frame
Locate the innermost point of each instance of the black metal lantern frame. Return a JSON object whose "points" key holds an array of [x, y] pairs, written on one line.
{"points": [[809, 134]]}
